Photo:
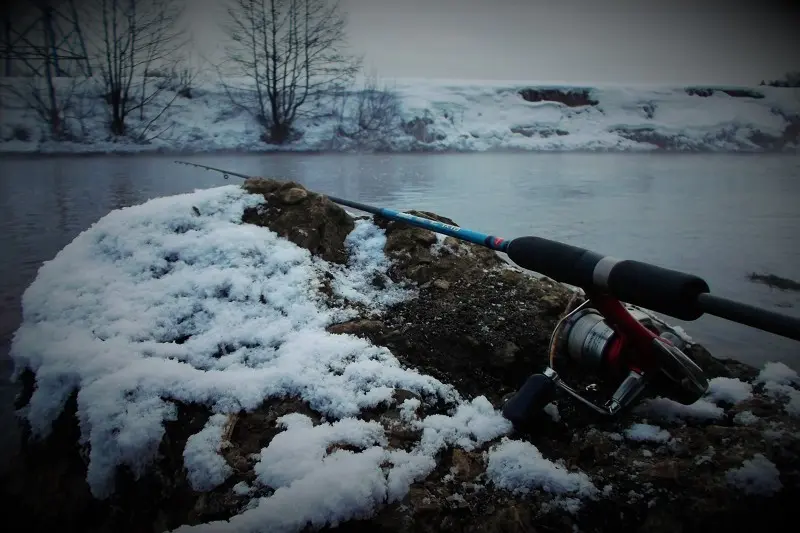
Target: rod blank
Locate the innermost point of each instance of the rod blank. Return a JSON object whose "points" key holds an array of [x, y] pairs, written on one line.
{"points": [[750, 315]]}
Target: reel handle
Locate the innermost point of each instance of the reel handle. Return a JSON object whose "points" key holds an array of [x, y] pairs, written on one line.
{"points": [[535, 393]]}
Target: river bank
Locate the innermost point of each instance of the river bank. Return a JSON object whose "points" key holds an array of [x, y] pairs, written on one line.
{"points": [[431, 116]]}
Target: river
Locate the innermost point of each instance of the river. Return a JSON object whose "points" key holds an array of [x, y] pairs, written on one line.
{"points": [[717, 216]]}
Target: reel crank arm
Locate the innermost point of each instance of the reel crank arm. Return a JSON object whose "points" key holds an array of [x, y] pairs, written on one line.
{"points": [[539, 390]]}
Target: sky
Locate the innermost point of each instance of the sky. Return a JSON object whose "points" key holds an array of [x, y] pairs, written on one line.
{"points": [[572, 41], [577, 40]]}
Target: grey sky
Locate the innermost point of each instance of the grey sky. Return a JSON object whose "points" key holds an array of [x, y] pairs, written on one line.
{"points": [[576, 40], [609, 41]]}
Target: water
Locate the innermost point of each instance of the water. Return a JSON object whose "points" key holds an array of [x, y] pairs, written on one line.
{"points": [[717, 216]]}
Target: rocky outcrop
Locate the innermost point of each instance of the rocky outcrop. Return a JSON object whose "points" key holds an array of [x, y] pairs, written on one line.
{"points": [[482, 326], [735, 93], [568, 97]]}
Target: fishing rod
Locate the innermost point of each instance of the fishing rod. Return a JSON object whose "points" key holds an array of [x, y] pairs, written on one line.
{"points": [[670, 292], [607, 337]]}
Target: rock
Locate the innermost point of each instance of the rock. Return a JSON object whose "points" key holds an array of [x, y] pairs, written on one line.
{"points": [[441, 284], [313, 221], [667, 469], [467, 465], [422, 501], [554, 303], [401, 395], [506, 354], [292, 196], [357, 327], [661, 520], [570, 98]]}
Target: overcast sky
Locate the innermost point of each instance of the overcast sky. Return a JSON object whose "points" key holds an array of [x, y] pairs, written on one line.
{"points": [[625, 41]]}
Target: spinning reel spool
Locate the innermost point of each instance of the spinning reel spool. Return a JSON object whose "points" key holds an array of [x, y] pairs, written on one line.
{"points": [[605, 339]]}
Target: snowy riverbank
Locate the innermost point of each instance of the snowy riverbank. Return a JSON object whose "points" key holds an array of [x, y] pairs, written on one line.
{"points": [[441, 116]]}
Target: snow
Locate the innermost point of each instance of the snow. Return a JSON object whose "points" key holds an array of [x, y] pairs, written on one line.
{"points": [[324, 484], [756, 476], [778, 373], [366, 260], [706, 457], [745, 418], [552, 410], [472, 424], [155, 305], [520, 467], [408, 409], [107, 316], [346, 486], [299, 451], [647, 433], [242, 489], [462, 116], [781, 382], [728, 390], [205, 467], [671, 411]]}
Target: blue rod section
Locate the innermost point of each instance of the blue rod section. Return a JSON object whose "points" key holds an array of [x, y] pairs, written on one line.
{"points": [[476, 237]]}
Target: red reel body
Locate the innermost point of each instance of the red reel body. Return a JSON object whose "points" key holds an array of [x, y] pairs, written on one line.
{"points": [[603, 337]]}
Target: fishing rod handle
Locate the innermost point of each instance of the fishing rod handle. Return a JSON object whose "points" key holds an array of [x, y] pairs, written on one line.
{"points": [[660, 289]]}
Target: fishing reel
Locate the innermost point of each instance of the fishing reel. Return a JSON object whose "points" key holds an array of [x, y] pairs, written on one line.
{"points": [[603, 338]]}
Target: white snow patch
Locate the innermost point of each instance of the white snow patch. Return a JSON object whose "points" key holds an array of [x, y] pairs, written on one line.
{"points": [[647, 433], [104, 317], [705, 458], [777, 373], [552, 410], [681, 333], [242, 489], [730, 390], [327, 488], [436, 247], [457, 498], [471, 425], [408, 409], [756, 476], [668, 410], [745, 418], [519, 467], [780, 383], [205, 467], [366, 260], [785, 392], [302, 449]]}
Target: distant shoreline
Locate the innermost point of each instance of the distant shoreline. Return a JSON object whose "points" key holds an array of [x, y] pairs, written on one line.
{"points": [[307, 153], [439, 118], [290, 152]]}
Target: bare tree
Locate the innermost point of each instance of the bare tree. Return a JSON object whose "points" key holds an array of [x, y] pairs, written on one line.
{"points": [[48, 43], [134, 35], [790, 79], [369, 116], [292, 52]]}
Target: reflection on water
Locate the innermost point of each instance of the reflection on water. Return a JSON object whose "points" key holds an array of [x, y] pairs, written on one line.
{"points": [[121, 190], [718, 216]]}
